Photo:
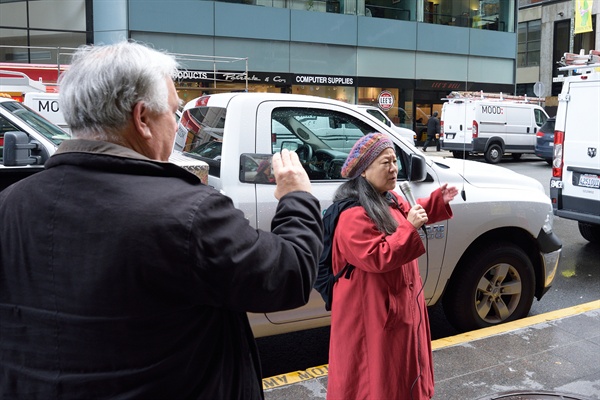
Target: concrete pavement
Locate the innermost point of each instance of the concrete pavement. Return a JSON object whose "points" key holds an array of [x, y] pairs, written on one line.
{"points": [[549, 356]]}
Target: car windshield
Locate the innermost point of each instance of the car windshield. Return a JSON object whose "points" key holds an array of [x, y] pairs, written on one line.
{"points": [[36, 121]]}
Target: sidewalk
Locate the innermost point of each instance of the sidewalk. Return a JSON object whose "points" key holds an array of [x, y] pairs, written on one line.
{"points": [[549, 356]]}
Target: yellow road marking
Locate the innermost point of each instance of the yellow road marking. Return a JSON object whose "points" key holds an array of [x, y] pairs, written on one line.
{"points": [[511, 326], [320, 371]]}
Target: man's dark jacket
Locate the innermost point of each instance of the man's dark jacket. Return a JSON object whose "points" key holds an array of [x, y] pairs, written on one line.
{"points": [[433, 127], [122, 277]]}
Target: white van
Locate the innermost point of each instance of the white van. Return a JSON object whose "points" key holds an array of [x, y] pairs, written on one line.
{"points": [[47, 105], [575, 182], [490, 124]]}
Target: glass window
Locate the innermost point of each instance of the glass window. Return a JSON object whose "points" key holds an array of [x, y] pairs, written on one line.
{"points": [[13, 13], [322, 139], [204, 140], [494, 15], [529, 41], [540, 117]]}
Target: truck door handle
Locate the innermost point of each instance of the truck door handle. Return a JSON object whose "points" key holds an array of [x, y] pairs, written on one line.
{"points": [[527, 129]]}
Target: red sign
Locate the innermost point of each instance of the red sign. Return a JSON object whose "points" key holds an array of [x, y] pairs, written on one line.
{"points": [[385, 100]]}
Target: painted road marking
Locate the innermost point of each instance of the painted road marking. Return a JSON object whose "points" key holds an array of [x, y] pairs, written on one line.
{"points": [[320, 371]]}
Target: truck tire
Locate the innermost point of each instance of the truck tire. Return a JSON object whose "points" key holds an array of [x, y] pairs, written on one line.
{"points": [[495, 285], [590, 232], [494, 153]]}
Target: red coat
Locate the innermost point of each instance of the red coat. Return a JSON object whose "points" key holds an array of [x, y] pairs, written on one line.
{"points": [[380, 339]]}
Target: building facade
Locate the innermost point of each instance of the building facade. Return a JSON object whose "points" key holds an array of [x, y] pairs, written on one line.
{"points": [[401, 55], [545, 33]]}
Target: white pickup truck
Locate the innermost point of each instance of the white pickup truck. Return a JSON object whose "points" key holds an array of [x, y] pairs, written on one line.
{"points": [[487, 263]]}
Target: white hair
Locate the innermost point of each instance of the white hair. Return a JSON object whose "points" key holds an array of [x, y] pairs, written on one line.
{"points": [[103, 83]]}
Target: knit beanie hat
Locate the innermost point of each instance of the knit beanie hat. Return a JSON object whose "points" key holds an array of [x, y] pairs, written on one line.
{"points": [[364, 152]]}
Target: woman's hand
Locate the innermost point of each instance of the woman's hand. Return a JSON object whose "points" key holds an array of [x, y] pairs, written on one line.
{"points": [[448, 193], [417, 216]]}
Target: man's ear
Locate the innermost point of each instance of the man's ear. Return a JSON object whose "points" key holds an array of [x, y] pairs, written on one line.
{"points": [[141, 115]]}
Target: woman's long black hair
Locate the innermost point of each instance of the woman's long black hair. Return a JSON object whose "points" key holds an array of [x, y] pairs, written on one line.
{"points": [[375, 204]]}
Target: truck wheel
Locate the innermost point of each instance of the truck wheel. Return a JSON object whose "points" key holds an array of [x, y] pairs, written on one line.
{"points": [[494, 153], [590, 232], [495, 285]]}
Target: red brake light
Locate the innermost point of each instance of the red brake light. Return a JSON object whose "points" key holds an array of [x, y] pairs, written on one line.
{"points": [[539, 134], [557, 161], [475, 129], [441, 128], [202, 101]]}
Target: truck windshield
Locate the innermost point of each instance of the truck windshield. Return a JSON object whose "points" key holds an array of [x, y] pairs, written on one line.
{"points": [[36, 122]]}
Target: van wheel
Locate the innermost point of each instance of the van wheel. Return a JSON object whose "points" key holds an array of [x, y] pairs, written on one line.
{"points": [[590, 232], [494, 153], [459, 154], [495, 285]]}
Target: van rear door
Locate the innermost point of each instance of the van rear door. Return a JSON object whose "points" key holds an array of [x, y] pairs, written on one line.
{"points": [[581, 178], [457, 118]]}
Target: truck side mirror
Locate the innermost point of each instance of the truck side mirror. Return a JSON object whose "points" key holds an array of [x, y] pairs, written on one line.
{"points": [[417, 168], [17, 150]]}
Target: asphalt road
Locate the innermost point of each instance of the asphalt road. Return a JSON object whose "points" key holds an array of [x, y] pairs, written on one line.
{"points": [[577, 282]]}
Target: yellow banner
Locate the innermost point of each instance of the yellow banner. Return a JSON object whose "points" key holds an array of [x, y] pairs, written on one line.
{"points": [[583, 16]]}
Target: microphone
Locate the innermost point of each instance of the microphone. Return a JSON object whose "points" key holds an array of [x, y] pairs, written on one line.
{"points": [[407, 191]]}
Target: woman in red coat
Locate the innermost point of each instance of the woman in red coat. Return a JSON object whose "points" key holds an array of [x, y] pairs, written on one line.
{"points": [[380, 345]]}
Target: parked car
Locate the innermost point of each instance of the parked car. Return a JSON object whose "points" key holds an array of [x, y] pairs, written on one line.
{"points": [[544, 143]]}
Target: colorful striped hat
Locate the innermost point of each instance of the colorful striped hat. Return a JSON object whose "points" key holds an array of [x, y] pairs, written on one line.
{"points": [[364, 152]]}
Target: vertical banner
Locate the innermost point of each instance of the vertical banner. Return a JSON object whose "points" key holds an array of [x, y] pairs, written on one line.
{"points": [[583, 16]]}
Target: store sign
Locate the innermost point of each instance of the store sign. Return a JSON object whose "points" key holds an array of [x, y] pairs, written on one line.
{"points": [[323, 80], [233, 77], [385, 100]]}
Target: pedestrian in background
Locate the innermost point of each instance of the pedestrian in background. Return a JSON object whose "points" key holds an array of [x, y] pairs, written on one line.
{"points": [[380, 344], [121, 275], [433, 132]]}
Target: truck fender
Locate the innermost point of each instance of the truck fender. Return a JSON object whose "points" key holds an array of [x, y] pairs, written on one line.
{"points": [[494, 140]]}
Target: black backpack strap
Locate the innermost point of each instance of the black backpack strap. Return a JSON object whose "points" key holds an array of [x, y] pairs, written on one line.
{"points": [[346, 272]]}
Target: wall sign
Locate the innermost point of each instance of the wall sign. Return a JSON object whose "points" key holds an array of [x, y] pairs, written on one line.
{"points": [[385, 100]]}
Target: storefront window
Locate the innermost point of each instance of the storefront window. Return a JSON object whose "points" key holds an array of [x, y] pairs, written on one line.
{"points": [[341, 93], [398, 107]]}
